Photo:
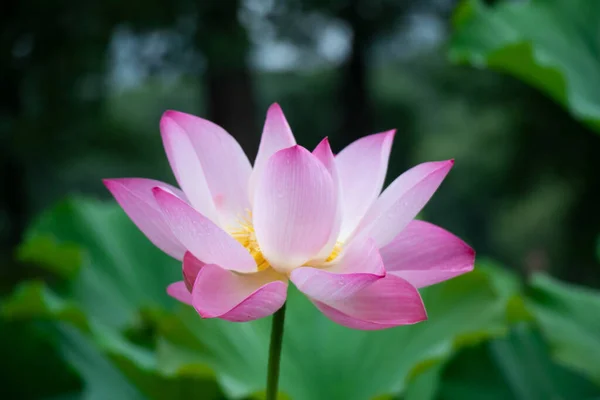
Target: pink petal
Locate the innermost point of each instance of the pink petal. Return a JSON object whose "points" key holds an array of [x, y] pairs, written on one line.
{"points": [[190, 269], [425, 254], [226, 167], [276, 135], [179, 292], [360, 266], [402, 201], [135, 196], [294, 208], [362, 167], [205, 240], [219, 293], [187, 167], [386, 303], [325, 155]]}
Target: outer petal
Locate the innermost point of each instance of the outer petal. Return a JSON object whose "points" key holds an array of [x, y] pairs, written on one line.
{"points": [[325, 155], [276, 135], [180, 292], [294, 208], [362, 167], [205, 240], [187, 167], [219, 293], [226, 167], [386, 303], [135, 196], [360, 266], [190, 269], [403, 200], [425, 254]]}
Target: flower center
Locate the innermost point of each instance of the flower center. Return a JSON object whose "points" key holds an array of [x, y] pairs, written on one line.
{"points": [[245, 236], [337, 249]]}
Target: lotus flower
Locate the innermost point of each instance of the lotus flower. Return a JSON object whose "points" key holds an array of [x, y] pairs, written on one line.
{"points": [[314, 218]]}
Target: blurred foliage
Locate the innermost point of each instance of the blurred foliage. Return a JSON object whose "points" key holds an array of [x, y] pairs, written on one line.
{"points": [[111, 321], [550, 44], [515, 367], [553, 46], [566, 318], [29, 355]]}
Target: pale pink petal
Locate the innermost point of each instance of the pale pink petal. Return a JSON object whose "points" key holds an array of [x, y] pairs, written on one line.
{"points": [[135, 196], [388, 302], [191, 267], [402, 201], [358, 256], [425, 254], [294, 208], [276, 135], [205, 240], [360, 266], [362, 167], [226, 167], [187, 167], [325, 155], [219, 293], [180, 292]]}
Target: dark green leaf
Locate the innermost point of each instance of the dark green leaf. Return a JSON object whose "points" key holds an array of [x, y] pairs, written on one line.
{"points": [[569, 318], [517, 367], [550, 44], [121, 272]]}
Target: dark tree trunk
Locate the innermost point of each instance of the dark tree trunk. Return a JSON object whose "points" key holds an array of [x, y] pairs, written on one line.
{"points": [[224, 42], [12, 172], [13, 193], [355, 101], [231, 104], [354, 91]]}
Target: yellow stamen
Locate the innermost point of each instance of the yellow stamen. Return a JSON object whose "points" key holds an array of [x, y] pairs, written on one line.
{"points": [[337, 249], [245, 235]]}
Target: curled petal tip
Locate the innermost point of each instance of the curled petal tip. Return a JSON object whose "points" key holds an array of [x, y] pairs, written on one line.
{"points": [[471, 251], [165, 115], [170, 117], [390, 133], [325, 140], [113, 183], [293, 150], [471, 254], [161, 194], [274, 107], [384, 136], [170, 113], [178, 115], [446, 164]]}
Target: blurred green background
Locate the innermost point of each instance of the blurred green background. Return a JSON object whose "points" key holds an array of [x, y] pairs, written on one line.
{"points": [[509, 89]]}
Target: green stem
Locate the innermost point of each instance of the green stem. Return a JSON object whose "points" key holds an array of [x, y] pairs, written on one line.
{"points": [[275, 353]]}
